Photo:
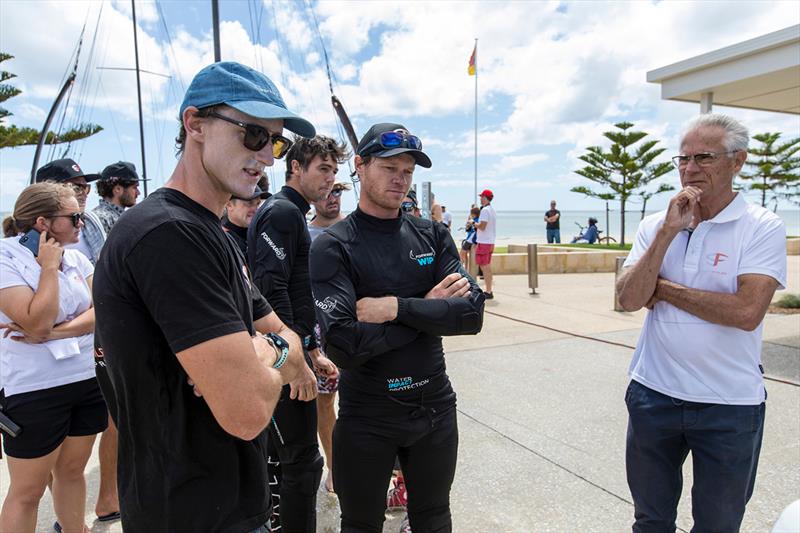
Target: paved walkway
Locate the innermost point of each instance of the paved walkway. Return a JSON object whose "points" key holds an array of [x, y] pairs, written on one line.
{"points": [[542, 418]]}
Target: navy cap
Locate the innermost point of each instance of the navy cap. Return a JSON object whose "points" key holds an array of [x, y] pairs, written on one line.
{"points": [[63, 170], [376, 130], [122, 171], [245, 89]]}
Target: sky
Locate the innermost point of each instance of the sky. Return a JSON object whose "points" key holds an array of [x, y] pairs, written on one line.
{"points": [[552, 77]]}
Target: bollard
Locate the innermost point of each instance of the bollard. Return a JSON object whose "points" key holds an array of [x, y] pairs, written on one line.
{"points": [[472, 266], [618, 270], [533, 268]]}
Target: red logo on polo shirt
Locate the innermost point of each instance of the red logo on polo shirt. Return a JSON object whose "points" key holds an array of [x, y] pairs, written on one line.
{"points": [[717, 258]]}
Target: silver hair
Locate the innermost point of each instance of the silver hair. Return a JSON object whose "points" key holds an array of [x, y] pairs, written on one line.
{"points": [[736, 135]]}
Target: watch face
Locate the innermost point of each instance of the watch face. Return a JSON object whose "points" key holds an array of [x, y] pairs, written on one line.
{"points": [[278, 340]]}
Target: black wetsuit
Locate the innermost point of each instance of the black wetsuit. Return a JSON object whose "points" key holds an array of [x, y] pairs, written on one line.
{"points": [[277, 252], [395, 396]]}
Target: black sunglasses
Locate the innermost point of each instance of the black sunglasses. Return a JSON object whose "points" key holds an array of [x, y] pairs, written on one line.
{"points": [[407, 207], [77, 218], [257, 137]]}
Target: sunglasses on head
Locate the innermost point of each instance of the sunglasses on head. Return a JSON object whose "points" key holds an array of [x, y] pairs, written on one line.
{"points": [[77, 218], [393, 139], [257, 137], [407, 207]]}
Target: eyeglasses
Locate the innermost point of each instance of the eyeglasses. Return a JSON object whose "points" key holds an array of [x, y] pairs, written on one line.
{"points": [[77, 218], [407, 207], [257, 137], [702, 159], [81, 188], [336, 193], [393, 139]]}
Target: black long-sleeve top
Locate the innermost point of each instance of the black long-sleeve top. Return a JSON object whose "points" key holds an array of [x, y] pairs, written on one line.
{"points": [[277, 253], [363, 256]]}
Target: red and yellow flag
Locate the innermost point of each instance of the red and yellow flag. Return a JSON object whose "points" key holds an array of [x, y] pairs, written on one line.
{"points": [[473, 61]]}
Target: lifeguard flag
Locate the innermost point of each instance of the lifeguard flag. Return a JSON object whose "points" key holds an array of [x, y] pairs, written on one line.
{"points": [[472, 61]]}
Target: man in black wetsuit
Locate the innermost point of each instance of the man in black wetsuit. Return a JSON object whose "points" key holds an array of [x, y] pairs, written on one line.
{"points": [[387, 287], [277, 246]]}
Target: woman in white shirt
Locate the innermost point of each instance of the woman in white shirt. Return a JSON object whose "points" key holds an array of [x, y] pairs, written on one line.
{"points": [[46, 358]]}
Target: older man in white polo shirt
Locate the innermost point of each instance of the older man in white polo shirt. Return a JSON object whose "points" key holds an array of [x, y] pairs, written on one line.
{"points": [[707, 269]]}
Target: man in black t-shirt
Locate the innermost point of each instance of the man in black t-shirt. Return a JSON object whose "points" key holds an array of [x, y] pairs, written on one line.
{"points": [[277, 243], [552, 218], [194, 384], [387, 287]]}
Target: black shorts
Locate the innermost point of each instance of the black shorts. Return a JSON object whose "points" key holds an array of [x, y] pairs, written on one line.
{"points": [[49, 416]]}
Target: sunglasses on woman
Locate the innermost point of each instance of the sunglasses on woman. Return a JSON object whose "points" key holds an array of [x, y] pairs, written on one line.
{"points": [[256, 137], [77, 218]]}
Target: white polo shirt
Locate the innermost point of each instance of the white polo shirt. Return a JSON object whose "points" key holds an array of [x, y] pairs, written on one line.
{"points": [[489, 234], [30, 367], [683, 356]]}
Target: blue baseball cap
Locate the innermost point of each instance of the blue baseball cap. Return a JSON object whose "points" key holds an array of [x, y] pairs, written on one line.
{"points": [[245, 89]]}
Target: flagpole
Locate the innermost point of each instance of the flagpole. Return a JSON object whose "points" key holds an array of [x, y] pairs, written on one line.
{"points": [[475, 184]]}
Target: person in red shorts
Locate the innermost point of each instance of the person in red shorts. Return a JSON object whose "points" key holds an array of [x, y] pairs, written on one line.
{"points": [[487, 233]]}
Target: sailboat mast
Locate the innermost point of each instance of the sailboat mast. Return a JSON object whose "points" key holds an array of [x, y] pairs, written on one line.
{"points": [[139, 96], [215, 25]]}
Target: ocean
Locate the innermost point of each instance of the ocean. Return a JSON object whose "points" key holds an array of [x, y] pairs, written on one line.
{"points": [[522, 227]]}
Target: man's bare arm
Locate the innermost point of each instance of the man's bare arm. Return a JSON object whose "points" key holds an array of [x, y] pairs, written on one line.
{"points": [[240, 388], [744, 309], [271, 323]]}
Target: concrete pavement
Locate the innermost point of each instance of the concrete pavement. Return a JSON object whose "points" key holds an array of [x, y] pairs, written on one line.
{"points": [[542, 417]]}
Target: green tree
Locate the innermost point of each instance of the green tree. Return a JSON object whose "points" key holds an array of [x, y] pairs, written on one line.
{"points": [[625, 170], [12, 136], [775, 169]]}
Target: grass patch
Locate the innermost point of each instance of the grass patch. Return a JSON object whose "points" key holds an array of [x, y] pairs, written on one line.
{"points": [[598, 247], [789, 301], [501, 249]]}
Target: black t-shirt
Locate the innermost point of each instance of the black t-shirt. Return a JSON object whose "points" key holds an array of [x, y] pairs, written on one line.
{"points": [[386, 367], [237, 233], [557, 223], [170, 278]]}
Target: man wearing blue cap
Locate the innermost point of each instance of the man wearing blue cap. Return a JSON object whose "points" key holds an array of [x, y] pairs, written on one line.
{"points": [[193, 379]]}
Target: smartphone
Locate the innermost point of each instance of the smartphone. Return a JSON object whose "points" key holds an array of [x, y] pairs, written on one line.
{"points": [[31, 241], [8, 426]]}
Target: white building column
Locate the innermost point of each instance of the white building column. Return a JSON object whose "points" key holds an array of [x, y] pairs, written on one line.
{"points": [[706, 102]]}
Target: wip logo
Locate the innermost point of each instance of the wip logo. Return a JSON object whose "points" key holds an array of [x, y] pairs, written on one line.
{"points": [[716, 258], [422, 259], [327, 305], [279, 253]]}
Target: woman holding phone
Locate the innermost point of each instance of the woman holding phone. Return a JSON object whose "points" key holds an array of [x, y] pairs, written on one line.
{"points": [[47, 378]]}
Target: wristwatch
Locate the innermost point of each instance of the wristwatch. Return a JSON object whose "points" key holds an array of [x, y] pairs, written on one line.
{"points": [[281, 346]]}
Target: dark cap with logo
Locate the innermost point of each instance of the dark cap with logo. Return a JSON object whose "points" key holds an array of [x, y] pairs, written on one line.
{"points": [[245, 89], [370, 144], [63, 170], [121, 171]]}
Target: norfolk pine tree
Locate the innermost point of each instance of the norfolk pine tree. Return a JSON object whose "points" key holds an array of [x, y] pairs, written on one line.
{"points": [[625, 170], [776, 169], [12, 136]]}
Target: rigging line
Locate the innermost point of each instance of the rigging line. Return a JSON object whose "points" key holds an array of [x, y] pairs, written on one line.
{"points": [[278, 43], [308, 7], [89, 76], [171, 48], [113, 123], [604, 341]]}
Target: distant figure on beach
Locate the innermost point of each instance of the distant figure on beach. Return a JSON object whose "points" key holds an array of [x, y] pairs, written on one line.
{"points": [[447, 218], [590, 235], [706, 269], [471, 238], [487, 234], [436, 209], [553, 219]]}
